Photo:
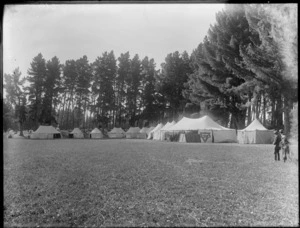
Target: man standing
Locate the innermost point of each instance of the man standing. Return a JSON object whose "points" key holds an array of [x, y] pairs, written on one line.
{"points": [[285, 147], [277, 142]]}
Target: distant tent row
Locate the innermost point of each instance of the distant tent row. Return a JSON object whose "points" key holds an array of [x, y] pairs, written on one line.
{"points": [[202, 130], [49, 132]]}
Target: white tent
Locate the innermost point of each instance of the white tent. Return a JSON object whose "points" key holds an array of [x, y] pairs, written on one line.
{"points": [[164, 129], [209, 130], [132, 132], [45, 132], [96, 134], [116, 133], [143, 133], [76, 133], [150, 134], [255, 133], [164, 132], [156, 133]]}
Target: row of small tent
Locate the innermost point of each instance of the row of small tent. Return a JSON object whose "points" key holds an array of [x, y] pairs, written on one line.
{"points": [[49, 132], [203, 129]]}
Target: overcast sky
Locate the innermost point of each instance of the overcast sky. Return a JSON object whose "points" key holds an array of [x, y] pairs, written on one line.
{"points": [[71, 31]]}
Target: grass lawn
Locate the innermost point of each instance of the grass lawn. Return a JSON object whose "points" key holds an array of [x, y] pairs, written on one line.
{"points": [[85, 182]]}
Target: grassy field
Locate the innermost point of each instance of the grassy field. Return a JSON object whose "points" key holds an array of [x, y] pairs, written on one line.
{"points": [[78, 183]]}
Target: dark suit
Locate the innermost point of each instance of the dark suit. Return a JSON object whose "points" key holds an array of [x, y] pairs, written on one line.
{"points": [[277, 141]]}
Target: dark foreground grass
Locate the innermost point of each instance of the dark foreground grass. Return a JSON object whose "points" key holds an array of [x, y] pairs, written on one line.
{"points": [[76, 183]]}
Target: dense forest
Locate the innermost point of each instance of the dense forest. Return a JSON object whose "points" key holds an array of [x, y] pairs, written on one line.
{"points": [[245, 68]]}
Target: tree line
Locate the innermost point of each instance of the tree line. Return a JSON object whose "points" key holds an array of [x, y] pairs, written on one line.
{"points": [[245, 68]]}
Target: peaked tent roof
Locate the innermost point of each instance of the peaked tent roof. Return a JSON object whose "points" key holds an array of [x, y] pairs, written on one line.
{"points": [[166, 126], [117, 130], [255, 125], [171, 124], [133, 130], [158, 126], [204, 122], [96, 130], [47, 129], [76, 130]]}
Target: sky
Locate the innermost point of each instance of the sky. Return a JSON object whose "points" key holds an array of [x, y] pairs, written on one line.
{"points": [[72, 30]]}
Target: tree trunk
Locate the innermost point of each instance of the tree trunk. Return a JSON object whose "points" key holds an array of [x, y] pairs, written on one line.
{"points": [[249, 118], [84, 112], [264, 109], [61, 123], [258, 107], [273, 112], [288, 105], [68, 110], [279, 111], [21, 128]]}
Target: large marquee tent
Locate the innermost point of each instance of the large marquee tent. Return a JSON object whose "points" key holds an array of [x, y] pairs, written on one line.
{"points": [[96, 134], [76, 133], [209, 130], [116, 133], [132, 132], [255, 133], [45, 132]]}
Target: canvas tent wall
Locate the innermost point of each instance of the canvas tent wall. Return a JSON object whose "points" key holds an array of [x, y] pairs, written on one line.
{"points": [[156, 133], [163, 130], [76, 133], [206, 127], [143, 133], [255, 133], [149, 132], [96, 134], [116, 133], [45, 132], [132, 132], [164, 133], [158, 126]]}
